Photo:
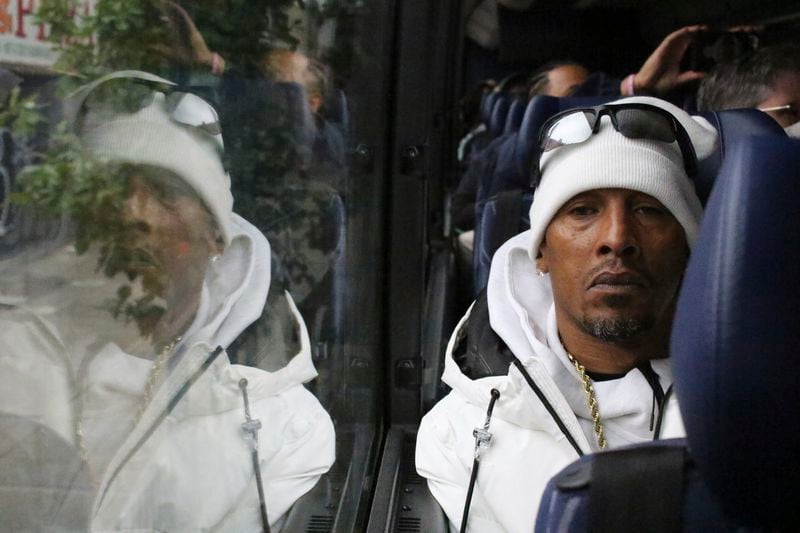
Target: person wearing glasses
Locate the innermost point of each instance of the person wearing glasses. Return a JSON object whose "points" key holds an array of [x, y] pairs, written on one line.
{"points": [[119, 407], [565, 353], [767, 79]]}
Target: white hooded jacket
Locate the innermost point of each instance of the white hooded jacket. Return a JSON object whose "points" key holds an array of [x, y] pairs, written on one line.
{"points": [[187, 464], [529, 443]]}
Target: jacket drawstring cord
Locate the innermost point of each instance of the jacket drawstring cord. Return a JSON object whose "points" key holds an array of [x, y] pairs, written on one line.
{"points": [[661, 407], [653, 412], [652, 379], [250, 428], [482, 440]]}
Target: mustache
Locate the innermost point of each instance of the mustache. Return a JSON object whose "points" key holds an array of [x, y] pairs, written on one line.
{"points": [[617, 271]]}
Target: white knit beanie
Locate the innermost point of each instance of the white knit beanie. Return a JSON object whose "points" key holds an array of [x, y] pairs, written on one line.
{"points": [[150, 137], [610, 160]]}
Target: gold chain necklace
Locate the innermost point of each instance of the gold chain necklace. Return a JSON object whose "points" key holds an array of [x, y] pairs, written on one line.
{"points": [[152, 379], [594, 409]]}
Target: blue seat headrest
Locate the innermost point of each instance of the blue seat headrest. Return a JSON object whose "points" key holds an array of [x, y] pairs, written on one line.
{"points": [[736, 341], [497, 122], [336, 109], [732, 124], [540, 108], [487, 106], [515, 115]]}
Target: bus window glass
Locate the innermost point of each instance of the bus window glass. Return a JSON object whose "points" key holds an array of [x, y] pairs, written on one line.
{"points": [[189, 225]]}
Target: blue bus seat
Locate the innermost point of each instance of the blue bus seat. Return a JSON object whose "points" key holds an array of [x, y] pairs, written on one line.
{"points": [[487, 104], [516, 112], [647, 502], [735, 337], [336, 110], [504, 215], [497, 120], [731, 125]]}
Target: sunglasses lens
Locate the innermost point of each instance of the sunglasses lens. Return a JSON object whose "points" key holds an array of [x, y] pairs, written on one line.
{"points": [[119, 96], [644, 124], [573, 128]]}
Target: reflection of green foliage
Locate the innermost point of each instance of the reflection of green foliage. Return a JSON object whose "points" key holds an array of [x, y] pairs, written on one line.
{"points": [[144, 34], [249, 29], [68, 183], [111, 38], [21, 115]]}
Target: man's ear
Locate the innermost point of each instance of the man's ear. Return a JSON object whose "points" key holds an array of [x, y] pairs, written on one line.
{"points": [[315, 102], [541, 258]]}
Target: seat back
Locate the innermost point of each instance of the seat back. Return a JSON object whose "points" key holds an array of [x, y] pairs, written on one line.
{"points": [[487, 104], [732, 125], [735, 337], [516, 112], [504, 215], [337, 111], [653, 487], [497, 120]]}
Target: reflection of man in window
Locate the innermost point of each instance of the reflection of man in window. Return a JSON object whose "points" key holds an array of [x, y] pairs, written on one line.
{"points": [[118, 409]]}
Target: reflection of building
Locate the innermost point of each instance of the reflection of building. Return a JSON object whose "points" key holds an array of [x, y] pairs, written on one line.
{"points": [[23, 42]]}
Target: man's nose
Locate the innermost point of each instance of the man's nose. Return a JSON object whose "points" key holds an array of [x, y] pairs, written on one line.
{"points": [[617, 235], [134, 211]]}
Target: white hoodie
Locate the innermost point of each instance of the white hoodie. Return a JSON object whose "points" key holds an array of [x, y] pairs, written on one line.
{"points": [[186, 465], [527, 446]]}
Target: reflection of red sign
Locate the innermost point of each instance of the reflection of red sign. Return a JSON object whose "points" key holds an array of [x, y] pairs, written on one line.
{"points": [[23, 12], [22, 40], [17, 16], [5, 17]]}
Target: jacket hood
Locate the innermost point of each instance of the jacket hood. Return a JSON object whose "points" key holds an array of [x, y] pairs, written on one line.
{"points": [[234, 295], [235, 288]]}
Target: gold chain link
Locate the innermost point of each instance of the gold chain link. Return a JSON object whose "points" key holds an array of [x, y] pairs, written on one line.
{"points": [[594, 409]]}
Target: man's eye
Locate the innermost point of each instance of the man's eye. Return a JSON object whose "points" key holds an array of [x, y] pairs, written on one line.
{"points": [[649, 210], [582, 210]]}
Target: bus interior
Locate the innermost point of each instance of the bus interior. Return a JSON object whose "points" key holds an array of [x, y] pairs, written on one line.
{"points": [[338, 123]]}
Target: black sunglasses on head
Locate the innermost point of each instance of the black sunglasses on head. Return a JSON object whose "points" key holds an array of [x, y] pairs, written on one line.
{"points": [[632, 120]]}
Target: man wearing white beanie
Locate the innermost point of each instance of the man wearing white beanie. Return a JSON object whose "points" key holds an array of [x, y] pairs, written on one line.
{"points": [[566, 352]]}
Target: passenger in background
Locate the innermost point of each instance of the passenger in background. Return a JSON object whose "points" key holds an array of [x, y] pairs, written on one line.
{"points": [[568, 346], [121, 409], [767, 79], [297, 67], [660, 74], [328, 162], [557, 78]]}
